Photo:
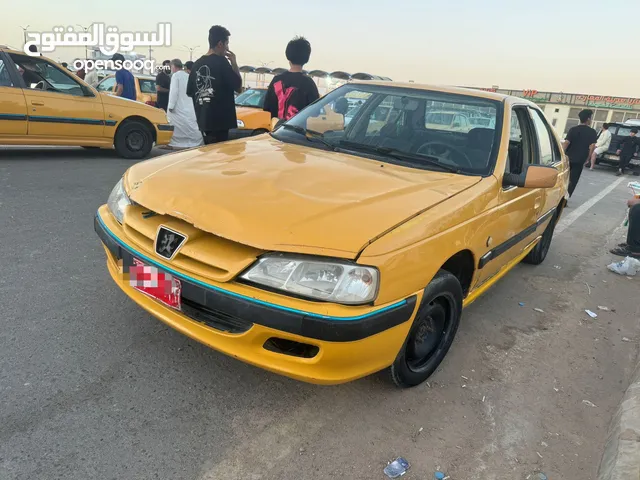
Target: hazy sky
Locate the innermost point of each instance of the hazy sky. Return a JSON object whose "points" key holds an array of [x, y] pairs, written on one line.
{"points": [[558, 45]]}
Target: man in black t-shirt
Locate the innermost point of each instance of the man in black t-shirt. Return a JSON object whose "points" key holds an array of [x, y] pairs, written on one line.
{"points": [[212, 81], [579, 145], [292, 91], [628, 149], [163, 81]]}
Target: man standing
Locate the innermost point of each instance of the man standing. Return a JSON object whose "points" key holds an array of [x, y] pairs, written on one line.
{"points": [[214, 78], [188, 66], [602, 145], [125, 83], [163, 83], [627, 150], [180, 110], [579, 146], [292, 91], [632, 247]]}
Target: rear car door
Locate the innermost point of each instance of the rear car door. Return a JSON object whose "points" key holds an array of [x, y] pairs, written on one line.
{"points": [[13, 106], [59, 106], [513, 223]]}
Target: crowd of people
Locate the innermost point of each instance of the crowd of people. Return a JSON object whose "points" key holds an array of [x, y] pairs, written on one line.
{"points": [[199, 97], [583, 145]]}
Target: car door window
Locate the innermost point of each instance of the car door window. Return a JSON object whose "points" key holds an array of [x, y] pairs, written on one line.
{"points": [[5, 78], [39, 74], [107, 85], [520, 141], [547, 155]]}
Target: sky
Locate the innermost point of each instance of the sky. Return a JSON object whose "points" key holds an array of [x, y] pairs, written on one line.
{"points": [[563, 45]]}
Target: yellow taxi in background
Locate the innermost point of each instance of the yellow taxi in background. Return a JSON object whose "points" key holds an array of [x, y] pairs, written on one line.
{"points": [[329, 256], [145, 87], [42, 103], [252, 120]]}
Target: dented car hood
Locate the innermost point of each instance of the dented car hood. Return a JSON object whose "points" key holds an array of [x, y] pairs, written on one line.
{"points": [[284, 197]]}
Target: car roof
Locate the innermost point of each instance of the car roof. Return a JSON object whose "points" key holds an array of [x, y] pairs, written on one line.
{"points": [[437, 88]]}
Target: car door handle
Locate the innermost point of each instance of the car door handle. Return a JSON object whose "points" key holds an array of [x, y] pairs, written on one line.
{"points": [[38, 104], [537, 204]]}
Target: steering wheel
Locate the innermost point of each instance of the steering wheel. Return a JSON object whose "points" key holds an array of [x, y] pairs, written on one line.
{"points": [[445, 149], [40, 85]]}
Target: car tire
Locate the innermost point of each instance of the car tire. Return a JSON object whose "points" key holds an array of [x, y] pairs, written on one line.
{"points": [[432, 332], [539, 252], [133, 140]]}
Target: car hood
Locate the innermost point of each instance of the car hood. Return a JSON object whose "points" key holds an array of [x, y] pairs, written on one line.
{"points": [[277, 196]]}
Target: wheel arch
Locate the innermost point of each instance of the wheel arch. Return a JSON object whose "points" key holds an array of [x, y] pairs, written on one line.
{"points": [[462, 266]]}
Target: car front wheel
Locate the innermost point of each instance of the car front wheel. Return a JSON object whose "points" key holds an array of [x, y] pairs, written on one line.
{"points": [[432, 332], [539, 252], [133, 140]]}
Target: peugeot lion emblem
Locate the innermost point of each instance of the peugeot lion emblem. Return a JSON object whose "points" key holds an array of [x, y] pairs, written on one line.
{"points": [[168, 242]]}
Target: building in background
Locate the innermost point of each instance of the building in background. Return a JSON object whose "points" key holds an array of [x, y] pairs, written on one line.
{"points": [[562, 108]]}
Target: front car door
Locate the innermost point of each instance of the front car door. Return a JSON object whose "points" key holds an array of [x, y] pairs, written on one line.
{"points": [[108, 85], [549, 154], [512, 225], [13, 106], [61, 109]]}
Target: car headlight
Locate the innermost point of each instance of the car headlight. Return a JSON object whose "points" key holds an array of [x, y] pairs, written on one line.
{"points": [[118, 200], [240, 124], [316, 278]]}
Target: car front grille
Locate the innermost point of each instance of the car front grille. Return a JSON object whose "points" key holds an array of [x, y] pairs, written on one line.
{"points": [[214, 318]]}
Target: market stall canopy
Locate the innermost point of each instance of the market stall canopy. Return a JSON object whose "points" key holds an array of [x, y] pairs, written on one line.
{"points": [[262, 70], [279, 71], [318, 73], [364, 76], [340, 75], [246, 69]]}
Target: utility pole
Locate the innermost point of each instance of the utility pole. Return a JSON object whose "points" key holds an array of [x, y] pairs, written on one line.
{"points": [[150, 71], [191, 49], [24, 33], [86, 29]]}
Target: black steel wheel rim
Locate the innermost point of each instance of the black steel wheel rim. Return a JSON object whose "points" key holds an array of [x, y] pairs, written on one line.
{"points": [[135, 141], [429, 334]]}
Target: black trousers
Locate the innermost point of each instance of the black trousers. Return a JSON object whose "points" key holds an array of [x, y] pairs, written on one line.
{"points": [[575, 170], [624, 161], [633, 234], [215, 137]]}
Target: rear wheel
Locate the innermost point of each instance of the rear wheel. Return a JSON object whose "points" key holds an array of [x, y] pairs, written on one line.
{"points": [[539, 252], [133, 140], [432, 332]]}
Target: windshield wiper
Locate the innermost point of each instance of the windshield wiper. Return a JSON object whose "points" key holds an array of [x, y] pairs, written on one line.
{"points": [[398, 155], [310, 135]]}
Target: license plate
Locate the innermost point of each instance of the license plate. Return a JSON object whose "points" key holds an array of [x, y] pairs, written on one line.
{"points": [[155, 283]]}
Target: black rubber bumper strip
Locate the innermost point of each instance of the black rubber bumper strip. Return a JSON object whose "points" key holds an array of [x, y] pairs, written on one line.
{"points": [[298, 323], [165, 126]]}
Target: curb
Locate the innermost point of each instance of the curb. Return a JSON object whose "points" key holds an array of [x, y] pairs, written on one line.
{"points": [[621, 456]]}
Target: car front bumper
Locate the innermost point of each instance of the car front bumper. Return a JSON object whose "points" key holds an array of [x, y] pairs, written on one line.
{"points": [[241, 326], [164, 132]]}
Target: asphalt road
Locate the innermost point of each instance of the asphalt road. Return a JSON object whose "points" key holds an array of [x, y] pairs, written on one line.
{"points": [[92, 387]]}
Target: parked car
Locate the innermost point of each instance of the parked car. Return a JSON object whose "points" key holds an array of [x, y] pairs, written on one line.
{"points": [[45, 104], [449, 121], [329, 256], [618, 132], [145, 87], [252, 120]]}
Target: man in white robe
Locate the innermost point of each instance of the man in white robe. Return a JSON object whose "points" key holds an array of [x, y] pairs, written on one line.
{"points": [[181, 113]]}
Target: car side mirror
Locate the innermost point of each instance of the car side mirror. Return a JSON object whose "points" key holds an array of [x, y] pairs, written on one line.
{"points": [[534, 176], [87, 92]]}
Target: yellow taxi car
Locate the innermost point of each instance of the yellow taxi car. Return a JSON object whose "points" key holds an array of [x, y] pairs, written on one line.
{"points": [[145, 87], [42, 103], [252, 120], [329, 256]]}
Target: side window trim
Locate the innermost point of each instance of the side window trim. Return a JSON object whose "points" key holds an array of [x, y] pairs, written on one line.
{"points": [[555, 148], [12, 70], [528, 137]]}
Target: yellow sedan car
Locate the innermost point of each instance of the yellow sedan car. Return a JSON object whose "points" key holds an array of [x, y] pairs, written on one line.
{"points": [[145, 87], [329, 256], [42, 103]]}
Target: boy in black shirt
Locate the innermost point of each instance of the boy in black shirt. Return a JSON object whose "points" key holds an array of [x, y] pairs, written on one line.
{"points": [[292, 91], [212, 81], [579, 145], [627, 150]]}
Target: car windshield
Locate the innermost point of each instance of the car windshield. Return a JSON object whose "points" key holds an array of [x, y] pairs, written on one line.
{"points": [[253, 97], [407, 126]]}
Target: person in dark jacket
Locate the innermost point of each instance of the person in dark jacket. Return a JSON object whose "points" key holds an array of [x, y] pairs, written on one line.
{"points": [[632, 246], [628, 149], [163, 83]]}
